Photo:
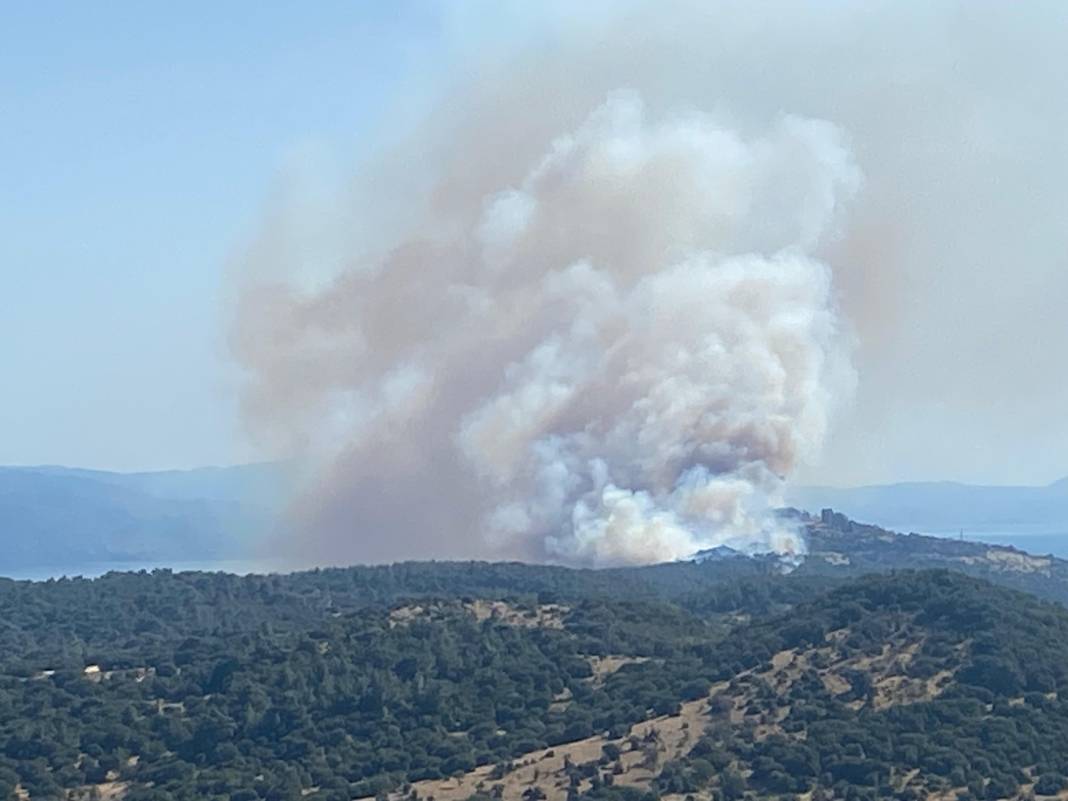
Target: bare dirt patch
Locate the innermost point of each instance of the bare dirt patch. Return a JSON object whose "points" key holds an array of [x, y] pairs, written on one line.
{"points": [[642, 753], [605, 666], [836, 666], [106, 791], [549, 616]]}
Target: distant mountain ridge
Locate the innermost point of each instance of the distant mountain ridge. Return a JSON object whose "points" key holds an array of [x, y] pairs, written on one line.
{"points": [[67, 517], [70, 520]]}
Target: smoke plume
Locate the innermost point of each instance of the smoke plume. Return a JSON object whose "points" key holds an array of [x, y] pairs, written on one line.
{"points": [[616, 359]]}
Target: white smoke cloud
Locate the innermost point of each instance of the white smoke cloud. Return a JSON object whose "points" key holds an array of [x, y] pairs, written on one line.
{"points": [[616, 359]]}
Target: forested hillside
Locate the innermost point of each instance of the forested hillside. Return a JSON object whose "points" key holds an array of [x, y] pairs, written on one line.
{"points": [[456, 680]]}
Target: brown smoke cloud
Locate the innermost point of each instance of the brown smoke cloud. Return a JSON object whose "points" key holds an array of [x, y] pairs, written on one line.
{"points": [[617, 360], [563, 321]]}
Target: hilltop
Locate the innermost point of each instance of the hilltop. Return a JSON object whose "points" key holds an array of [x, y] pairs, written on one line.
{"points": [[840, 546], [948, 507]]}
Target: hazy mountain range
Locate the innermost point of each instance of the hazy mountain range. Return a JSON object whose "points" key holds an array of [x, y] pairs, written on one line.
{"points": [[72, 520]]}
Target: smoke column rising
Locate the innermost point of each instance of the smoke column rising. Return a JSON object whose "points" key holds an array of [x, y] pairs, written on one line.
{"points": [[617, 359]]}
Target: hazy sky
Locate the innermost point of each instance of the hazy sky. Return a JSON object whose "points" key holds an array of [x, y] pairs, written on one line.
{"points": [[142, 149], [139, 144]]}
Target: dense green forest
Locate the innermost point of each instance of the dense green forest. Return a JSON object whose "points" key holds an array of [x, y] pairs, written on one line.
{"points": [[338, 684], [205, 684], [995, 723]]}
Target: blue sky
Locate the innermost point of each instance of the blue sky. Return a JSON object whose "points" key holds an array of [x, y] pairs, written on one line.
{"points": [[140, 141]]}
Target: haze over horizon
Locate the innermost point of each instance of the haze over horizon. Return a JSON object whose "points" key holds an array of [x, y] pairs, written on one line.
{"points": [[124, 232]]}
